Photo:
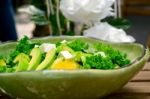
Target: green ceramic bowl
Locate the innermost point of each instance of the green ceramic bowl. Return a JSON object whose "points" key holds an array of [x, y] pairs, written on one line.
{"points": [[76, 84]]}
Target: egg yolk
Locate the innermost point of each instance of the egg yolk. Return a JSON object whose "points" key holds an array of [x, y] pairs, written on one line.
{"points": [[65, 65]]}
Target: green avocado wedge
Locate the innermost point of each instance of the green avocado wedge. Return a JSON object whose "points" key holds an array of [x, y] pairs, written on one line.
{"points": [[74, 84], [36, 54], [50, 56], [2, 62], [23, 62]]}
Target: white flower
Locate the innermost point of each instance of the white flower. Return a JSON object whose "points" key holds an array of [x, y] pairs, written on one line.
{"points": [[106, 32], [86, 11]]}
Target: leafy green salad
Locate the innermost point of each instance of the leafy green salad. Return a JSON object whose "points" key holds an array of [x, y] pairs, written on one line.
{"points": [[64, 55]]}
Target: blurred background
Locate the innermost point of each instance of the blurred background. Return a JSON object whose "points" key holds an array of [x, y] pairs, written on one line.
{"points": [[137, 12]]}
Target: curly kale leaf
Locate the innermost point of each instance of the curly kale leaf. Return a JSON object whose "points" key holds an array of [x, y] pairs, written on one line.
{"points": [[119, 58], [97, 62], [6, 69], [77, 45], [2, 69], [23, 46], [116, 56]]}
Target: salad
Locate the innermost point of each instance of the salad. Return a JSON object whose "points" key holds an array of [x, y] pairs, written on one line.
{"points": [[64, 55]]}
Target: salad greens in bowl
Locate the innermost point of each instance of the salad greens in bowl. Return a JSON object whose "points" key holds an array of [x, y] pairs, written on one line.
{"points": [[67, 67]]}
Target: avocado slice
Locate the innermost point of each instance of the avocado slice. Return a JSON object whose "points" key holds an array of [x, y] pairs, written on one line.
{"points": [[50, 56], [2, 62], [22, 61], [2, 65], [36, 54], [66, 48]]}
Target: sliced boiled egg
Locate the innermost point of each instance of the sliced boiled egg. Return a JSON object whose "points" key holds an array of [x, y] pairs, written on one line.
{"points": [[64, 41], [46, 47], [102, 53], [66, 54]]}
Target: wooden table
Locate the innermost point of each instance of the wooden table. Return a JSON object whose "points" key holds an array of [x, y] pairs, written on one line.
{"points": [[137, 88]]}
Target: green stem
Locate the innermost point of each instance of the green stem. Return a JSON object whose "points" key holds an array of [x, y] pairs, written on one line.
{"points": [[68, 25], [51, 7], [48, 8], [48, 2], [58, 17]]}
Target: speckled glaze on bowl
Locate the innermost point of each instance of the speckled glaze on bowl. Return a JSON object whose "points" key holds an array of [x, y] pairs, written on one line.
{"points": [[76, 84]]}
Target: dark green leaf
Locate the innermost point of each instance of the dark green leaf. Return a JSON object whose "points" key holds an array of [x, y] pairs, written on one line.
{"points": [[120, 23]]}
